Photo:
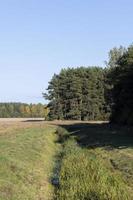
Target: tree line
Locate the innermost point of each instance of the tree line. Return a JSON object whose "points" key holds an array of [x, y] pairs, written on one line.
{"points": [[23, 110], [95, 93]]}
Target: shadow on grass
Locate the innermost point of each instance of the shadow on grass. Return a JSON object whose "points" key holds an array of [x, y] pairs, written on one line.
{"points": [[34, 120], [101, 135]]}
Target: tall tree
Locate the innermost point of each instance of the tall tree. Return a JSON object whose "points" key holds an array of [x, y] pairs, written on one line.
{"points": [[77, 94], [123, 89]]}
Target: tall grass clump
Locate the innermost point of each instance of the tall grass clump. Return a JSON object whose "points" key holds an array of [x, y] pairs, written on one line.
{"points": [[63, 134], [84, 177]]}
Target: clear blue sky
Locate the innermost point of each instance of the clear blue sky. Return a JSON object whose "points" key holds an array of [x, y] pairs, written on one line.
{"points": [[39, 37]]}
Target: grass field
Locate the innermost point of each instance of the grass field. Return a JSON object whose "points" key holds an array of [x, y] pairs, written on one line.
{"points": [[82, 161], [97, 163], [27, 155]]}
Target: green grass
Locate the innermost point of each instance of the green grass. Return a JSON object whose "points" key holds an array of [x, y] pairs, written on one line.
{"points": [[26, 164], [112, 144], [87, 173], [83, 161]]}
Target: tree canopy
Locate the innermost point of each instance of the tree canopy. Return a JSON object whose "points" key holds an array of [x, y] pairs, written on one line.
{"points": [[122, 90], [94, 93], [78, 94]]}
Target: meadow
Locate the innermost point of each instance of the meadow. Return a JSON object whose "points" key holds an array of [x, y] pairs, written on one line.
{"points": [[97, 163], [65, 160], [27, 154]]}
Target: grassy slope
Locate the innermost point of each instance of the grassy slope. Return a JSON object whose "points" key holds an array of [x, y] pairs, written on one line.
{"points": [[100, 166], [26, 163]]}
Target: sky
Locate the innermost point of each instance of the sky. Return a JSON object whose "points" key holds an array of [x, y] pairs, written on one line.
{"points": [[39, 37]]}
